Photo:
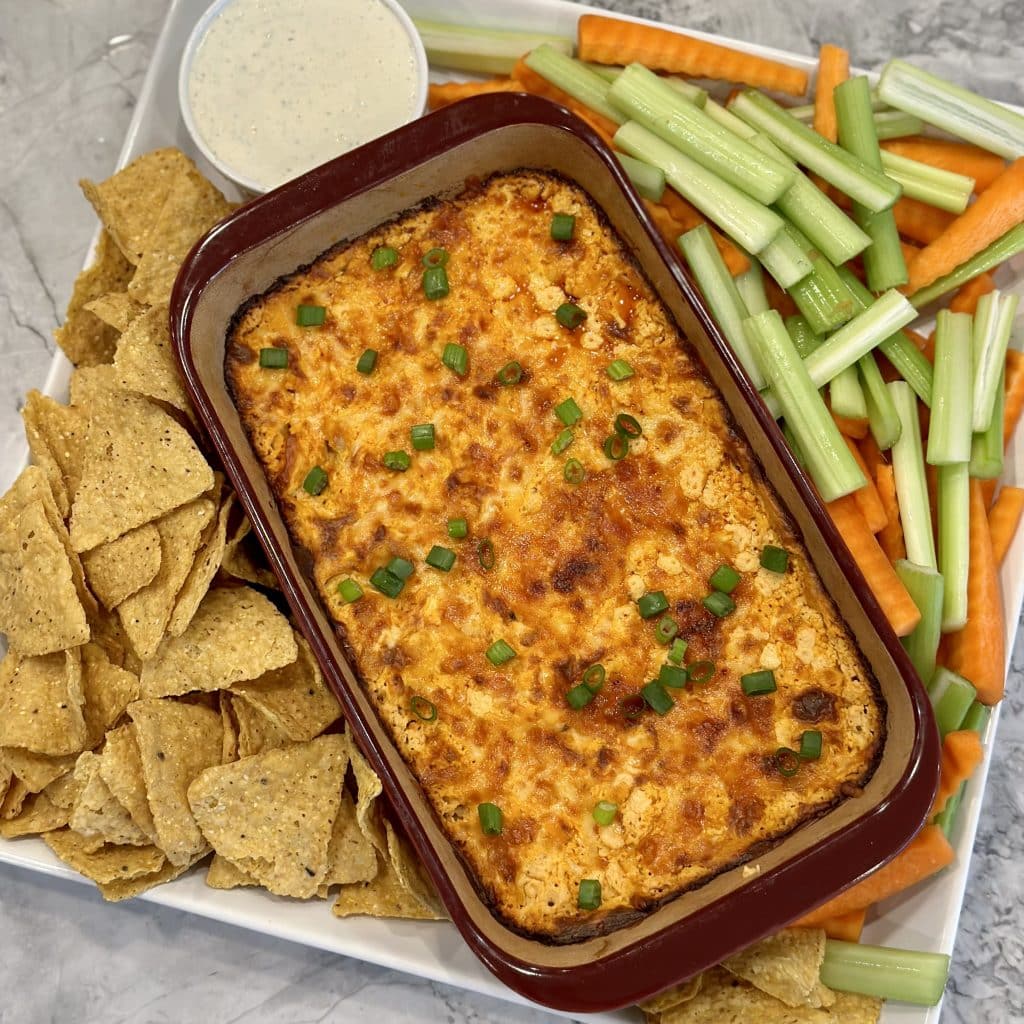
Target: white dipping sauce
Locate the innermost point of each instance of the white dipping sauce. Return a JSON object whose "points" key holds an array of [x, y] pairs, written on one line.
{"points": [[277, 87]]}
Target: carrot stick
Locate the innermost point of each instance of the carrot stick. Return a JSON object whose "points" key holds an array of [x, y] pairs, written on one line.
{"points": [[892, 596], [537, 85], [856, 429], [929, 851], [966, 299], [868, 501], [909, 250], [977, 652], [918, 339], [833, 68], [1003, 520], [1014, 402], [614, 41], [778, 299], [690, 217], [920, 222], [871, 454], [998, 209], [891, 537], [958, 157], [845, 927], [961, 754], [988, 492], [440, 94]]}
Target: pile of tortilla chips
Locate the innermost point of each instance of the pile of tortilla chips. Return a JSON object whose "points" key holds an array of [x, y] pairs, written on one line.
{"points": [[154, 708]]}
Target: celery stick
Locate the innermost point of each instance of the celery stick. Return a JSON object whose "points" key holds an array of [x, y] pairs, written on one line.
{"points": [[829, 462], [926, 588], [647, 180], [609, 72], [993, 322], [728, 120], [745, 220], [885, 973], [911, 486], [954, 500], [951, 696], [785, 260], [574, 78], [895, 124], [750, 285], [882, 416], [932, 185], [976, 720], [949, 432], [822, 297], [954, 109], [484, 50], [694, 93], [805, 340], [794, 446], [987, 447], [722, 296], [642, 96], [845, 395], [827, 228], [883, 259], [864, 184], [1003, 248], [805, 112]]}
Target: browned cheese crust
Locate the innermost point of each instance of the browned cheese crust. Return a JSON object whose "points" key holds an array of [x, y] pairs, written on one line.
{"points": [[698, 789]]}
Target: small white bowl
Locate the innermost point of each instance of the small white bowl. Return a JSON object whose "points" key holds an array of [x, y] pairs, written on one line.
{"points": [[250, 186]]}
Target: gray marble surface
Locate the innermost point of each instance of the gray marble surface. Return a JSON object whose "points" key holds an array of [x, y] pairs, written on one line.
{"points": [[70, 72]]}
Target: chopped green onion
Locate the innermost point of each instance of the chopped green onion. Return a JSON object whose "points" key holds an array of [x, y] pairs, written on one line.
{"points": [[673, 676], [666, 630], [511, 373], [649, 181], [456, 358], [593, 678], [435, 283], [810, 745], [398, 461], [367, 362], [954, 548], [499, 652], [400, 567], [654, 602], [657, 698], [310, 316], [677, 651], [719, 604], [993, 324], [383, 257], [560, 443], [315, 482], [926, 588], [422, 436], [589, 897], [787, 762], [387, 582], [901, 974], [350, 591], [579, 696], [435, 258], [487, 51], [774, 559], [619, 369], [457, 528], [700, 671], [440, 558], [949, 429], [911, 485], [604, 812], [485, 554], [570, 315], [755, 684], [562, 227], [628, 426], [273, 358], [951, 696], [725, 578], [568, 412], [425, 710], [490, 819], [616, 447], [573, 472]]}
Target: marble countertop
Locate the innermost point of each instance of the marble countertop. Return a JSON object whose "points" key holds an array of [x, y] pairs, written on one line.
{"points": [[70, 72]]}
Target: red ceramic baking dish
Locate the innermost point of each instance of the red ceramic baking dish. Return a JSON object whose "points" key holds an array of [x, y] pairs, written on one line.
{"points": [[343, 199]]}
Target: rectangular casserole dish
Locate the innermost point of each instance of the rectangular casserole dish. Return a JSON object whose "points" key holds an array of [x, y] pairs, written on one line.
{"points": [[345, 198]]}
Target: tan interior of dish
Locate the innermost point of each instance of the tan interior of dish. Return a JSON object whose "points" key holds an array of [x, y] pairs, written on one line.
{"points": [[542, 147]]}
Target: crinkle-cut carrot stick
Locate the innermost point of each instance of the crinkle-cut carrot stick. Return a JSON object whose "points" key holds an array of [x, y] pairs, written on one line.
{"points": [[845, 927], [892, 596], [833, 68], [928, 852], [855, 428], [962, 752], [1003, 519], [867, 497], [690, 217], [920, 222], [615, 41], [997, 210], [890, 538], [538, 85], [958, 157], [977, 652], [1014, 402], [440, 94], [966, 299]]}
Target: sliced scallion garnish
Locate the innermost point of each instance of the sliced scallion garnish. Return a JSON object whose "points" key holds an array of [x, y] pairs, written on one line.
{"points": [[485, 554], [383, 257], [573, 472], [511, 373], [422, 437], [490, 819], [619, 369], [579, 696], [562, 227], [349, 591], [458, 528], [560, 443], [569, 315], [719, 604], [756, 684], [604, 812], [654, 602], [315, 481], [657, 698], [273, 358], [435, 283], [398, 461], [589, 897], [310, 316], [367, 362], [425, 710], [569, 412], [386, 582], [499, 652], [440, 558], [725, 578], [456, 358]]}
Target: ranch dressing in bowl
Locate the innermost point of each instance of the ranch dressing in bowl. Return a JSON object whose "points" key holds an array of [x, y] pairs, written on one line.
{"points": [[272, 88]]}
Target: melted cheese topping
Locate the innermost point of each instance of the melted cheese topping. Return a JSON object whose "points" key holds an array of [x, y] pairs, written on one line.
{"points": [[697, 789]]}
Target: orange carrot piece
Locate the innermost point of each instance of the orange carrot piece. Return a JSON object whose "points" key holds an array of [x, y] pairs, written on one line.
{"points": [[962, 752], [918, 339], [966, 299], [998, 209], [1013, 405], [538, 85], [920, 222], [833, 68], [909, 250], [857, 429], [890, 538], [871, 454], [778, 299], [892, 596], [845, 927], [868, 500], [614, 41], [958, 157], [1003, 519], [690, 217], [977, 652], [928, 852], [440, 94], [988, 492]]}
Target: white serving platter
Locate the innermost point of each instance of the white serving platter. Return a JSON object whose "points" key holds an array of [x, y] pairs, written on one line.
{"points": [[925, 918]]}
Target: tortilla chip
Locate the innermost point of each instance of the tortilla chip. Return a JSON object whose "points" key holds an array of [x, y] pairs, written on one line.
{"points": [[129, 202], [236, 634], [674, 996], [97, 813], [176, 743], [411, 875], [368, 789], [351, 857], [139, 465], [41, 448], [272, 814], [145, 363], [37, 771], [146, 613], [243, 558], [850, 1008], [256, 732], [14, 799], [108, 863], [121, 567], [382, 896], [62, 430], [786, 965], [40, 609], [64, 791], [85, 339], [222, 874], [108, 691], [200, 576], [118, 309], [41, 703], [126, 888], [121, 770], [38, 814], [229, 742]]}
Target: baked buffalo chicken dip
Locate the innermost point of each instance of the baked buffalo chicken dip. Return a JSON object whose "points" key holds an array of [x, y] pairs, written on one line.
{"points": [[574, 600]]}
